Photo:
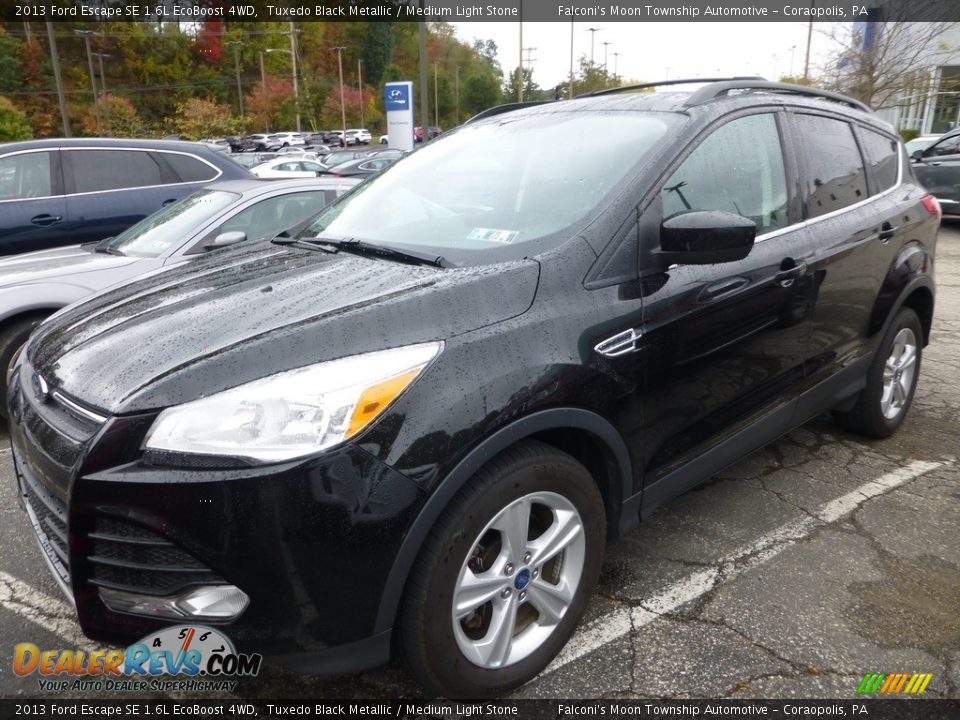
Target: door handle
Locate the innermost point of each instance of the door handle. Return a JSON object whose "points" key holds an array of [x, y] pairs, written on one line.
{"points": [[789, 275], [938, 163], [887, 231], [45, 219]]}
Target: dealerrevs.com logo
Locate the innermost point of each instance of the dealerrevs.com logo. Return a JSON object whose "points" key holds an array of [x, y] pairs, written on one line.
{"points": [[183, 657]]}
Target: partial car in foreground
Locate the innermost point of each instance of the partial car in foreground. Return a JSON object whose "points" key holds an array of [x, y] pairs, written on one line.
{"points": [[938, 169], [35, 285], [76, 190], [415, 423]]}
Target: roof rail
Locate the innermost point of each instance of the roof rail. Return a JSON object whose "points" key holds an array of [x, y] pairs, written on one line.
{"points": [[505, 108], [718, 89], [661, 83]]}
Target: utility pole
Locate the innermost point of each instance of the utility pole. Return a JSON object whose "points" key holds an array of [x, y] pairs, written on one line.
{"points": [[436, 98], [571, 61], [360, 87], [263, 75], [296, 87], [593, 34], [806, 58], [93, 83], [103, 93], [343, 107], [520, 61], [422, 49], [236, 66], [456, 90], [55, 61]]}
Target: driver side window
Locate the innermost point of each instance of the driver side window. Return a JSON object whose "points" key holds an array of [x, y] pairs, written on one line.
{"points": [[737, 169], [944, 147]]}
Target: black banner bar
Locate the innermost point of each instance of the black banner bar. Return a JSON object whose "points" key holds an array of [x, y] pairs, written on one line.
{"points": [[482, 10], [872, 709]]}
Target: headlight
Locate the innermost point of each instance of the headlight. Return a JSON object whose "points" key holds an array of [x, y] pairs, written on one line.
{"points": [[293, 413]]}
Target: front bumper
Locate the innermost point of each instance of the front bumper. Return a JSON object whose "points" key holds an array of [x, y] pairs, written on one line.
{"points": [[310, 543]]}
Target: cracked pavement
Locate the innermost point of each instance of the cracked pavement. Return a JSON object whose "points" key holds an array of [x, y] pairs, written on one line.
{"points": [[791, 574]]}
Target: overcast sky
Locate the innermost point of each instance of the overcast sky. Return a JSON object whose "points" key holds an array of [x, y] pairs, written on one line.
{"points": [[657, 50]]}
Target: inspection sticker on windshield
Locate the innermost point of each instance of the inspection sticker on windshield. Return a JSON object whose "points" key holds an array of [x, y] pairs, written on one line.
{"points": [[491, 235]]}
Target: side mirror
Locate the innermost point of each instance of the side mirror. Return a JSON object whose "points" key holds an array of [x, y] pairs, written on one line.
{"points": [[705, 237], [916, 155], [225, 239]]}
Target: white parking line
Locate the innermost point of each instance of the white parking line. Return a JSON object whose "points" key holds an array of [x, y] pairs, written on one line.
{"points": [[50, 613], [620, 622]]}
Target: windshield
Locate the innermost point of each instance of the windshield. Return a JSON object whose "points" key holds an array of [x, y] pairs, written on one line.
{"points": [[171, 225], [497, 185]]}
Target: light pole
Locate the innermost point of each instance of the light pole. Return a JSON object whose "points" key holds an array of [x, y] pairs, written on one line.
{"points": [[360, 87], [793, 49], [616, 63], [343, 107], [296, 92], [520, 64], [436, 98], [606, 44], [236, 66], [103, 92], [61, 98], [593, 34], [93, 83], [571, 61]]}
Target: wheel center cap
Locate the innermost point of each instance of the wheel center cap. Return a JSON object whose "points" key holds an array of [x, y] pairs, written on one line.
{"points": [[522, 579]]}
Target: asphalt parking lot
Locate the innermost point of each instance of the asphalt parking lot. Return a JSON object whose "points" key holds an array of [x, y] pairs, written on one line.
{"points": [[817, 559]]}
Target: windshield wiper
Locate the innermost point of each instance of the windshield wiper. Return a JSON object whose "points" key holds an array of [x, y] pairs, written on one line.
{"points": [[104, 248], [362, 247], [306, 244]]}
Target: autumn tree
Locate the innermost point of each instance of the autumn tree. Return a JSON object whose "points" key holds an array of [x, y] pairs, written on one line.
{"points": [[118, 118], [13, 122], [270, 105], [198, 118]]}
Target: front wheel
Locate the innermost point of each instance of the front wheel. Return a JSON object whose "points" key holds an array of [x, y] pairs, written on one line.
{"points": [[891, 380], [505, 575]]}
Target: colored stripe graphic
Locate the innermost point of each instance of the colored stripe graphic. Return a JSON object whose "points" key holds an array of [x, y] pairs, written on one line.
{"points": [[893, 683]]}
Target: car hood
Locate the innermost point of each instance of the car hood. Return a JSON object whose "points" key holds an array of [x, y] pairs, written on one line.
{"points": [[247, 313], [56, 264]]}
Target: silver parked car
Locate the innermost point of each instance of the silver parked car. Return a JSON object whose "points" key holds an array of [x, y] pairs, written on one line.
{"points": [[35, 285]]}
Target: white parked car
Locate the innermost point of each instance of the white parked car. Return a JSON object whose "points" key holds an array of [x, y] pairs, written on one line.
{"points": [[289, 138], [359, 136], [288, 167]]}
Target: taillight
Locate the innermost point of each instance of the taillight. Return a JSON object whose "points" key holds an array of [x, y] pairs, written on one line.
{"points": [[931, 205]]}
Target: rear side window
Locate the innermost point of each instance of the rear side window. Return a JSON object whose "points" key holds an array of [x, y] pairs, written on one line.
{"points": [[189, 168], [97, 170], [883, 156], [26, 175], [834, 177], [738, 169], [950, 146]]}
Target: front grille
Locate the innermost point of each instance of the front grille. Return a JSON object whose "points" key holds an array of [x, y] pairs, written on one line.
{"points": [[130, 557], [48, 515]]}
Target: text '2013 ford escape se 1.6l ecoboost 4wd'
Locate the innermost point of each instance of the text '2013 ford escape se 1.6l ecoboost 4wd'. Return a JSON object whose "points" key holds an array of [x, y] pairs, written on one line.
{"points": [[415, 422]]}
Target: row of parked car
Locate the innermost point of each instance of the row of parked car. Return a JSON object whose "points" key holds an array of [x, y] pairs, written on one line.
{"points": [[415, 418], [270, 142]]}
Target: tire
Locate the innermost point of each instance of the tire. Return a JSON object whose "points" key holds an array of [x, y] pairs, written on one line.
{"points": [[12, 337], [876, 413], [449, 654]]}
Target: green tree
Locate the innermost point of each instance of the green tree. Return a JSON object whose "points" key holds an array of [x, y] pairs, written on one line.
{"points": [[13, 123], [377, 51]]}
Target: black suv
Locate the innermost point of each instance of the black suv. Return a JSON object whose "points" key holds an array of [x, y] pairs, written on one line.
{"points": [[419, 419], [67, 191]]}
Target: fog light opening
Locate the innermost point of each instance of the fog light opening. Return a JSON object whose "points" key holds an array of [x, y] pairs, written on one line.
{"points": [[208, 602]]}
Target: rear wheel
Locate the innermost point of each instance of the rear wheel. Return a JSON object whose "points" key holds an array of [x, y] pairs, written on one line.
{"points": [[891, 381], [13, 336], [505, 575]]}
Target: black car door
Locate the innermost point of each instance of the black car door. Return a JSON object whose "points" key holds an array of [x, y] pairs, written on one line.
{"points": [[32, 206], [724, 344], [108, 190], [938, 170]]}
